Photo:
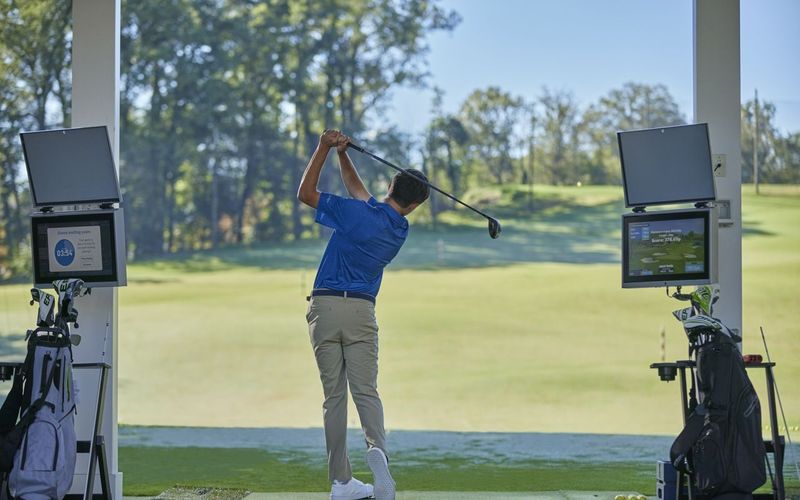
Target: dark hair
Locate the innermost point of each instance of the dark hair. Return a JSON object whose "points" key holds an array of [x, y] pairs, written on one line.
{"points": [[407, 188]]}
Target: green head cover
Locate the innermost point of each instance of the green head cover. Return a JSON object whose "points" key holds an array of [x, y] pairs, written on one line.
{"points": [[703, 298]]}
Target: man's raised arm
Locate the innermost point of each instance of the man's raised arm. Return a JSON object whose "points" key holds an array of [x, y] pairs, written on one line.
{"points": [[352, 182], [307, 192]]}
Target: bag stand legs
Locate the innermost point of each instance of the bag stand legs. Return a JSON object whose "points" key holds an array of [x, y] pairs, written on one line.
{"points": [[96, 458], [95, 446], [686, 409]]}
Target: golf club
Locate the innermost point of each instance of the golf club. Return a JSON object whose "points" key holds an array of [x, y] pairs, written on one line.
{"points": [[494, 224]]}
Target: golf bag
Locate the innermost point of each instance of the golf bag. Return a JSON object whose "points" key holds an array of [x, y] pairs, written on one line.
{"points": [[38, 446], [720, 447], [12, 428], [44, 463]]}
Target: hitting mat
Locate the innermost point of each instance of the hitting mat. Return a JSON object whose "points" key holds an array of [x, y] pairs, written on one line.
{"points": [[459, 495]]}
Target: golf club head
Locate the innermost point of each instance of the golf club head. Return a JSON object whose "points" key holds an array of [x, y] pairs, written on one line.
{"points": [[494, 228]]}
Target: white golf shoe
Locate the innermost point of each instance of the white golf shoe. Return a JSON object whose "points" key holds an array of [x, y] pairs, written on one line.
{"points": [[351, 490], [384, 484]]}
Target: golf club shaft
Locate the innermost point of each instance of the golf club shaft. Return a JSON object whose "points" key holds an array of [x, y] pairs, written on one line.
{"points": [[366, 152]]}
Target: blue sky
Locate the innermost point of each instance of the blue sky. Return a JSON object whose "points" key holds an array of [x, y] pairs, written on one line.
{"points": [[589, 47]]}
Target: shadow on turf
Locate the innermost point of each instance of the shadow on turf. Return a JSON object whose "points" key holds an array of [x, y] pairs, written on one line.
{"points": [[555, 231], [751, 228], [553, 228]]}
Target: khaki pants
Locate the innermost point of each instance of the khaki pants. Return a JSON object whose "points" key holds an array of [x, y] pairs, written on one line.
{"points": [[344, 335]]}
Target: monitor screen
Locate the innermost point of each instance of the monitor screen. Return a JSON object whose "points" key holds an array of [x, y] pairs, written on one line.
{"points": [[666, 165], [668, 248], [70, 166], [82, 245]]}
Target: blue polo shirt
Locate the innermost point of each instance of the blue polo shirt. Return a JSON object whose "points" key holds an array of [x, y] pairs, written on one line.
{"points": [[366, 236]]}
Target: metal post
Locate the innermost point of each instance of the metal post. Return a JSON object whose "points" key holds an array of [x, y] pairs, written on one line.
{"points": [[755, 142], [685, 413], [95, 101], [717, 101]]}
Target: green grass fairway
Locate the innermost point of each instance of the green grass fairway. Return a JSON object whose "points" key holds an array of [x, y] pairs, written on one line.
{"points": [[530, 332], [149, 471]]}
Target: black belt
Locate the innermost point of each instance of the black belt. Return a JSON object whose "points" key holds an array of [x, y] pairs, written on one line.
{"points": [[340, 293]]}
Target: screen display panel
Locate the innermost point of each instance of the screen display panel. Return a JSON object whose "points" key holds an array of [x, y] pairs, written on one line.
{"points": [[74, 246], [666, 248], [666, 165], [70, 166]]}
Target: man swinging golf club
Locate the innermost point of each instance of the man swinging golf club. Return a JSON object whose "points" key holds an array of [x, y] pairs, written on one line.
{"points": [[367, 234]]}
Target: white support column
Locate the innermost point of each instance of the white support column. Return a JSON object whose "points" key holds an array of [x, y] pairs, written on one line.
{"points": [[717, 100], [95, 101]]}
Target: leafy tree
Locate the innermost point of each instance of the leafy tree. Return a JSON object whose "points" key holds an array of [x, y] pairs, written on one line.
{"points": [[167, 65], [449, 137], [35, 53], [444, 153], [11, 122], [37, 49], [490, 116], [558, 137], [790, 160], [376, 46], [634, 106], [242, 89], [258, 50], [308, 34], [639, 105]]}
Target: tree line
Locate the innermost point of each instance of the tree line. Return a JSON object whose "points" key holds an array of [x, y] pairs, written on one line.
{"points": [[222, 102]]}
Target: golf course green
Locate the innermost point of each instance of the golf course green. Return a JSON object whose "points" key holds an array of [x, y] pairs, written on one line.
{"points": [[530, 332]]}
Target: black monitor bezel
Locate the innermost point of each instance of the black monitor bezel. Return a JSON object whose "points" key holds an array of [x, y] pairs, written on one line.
{"points": [[36, 203], [675, 279], [667, 202], [71, 218]]}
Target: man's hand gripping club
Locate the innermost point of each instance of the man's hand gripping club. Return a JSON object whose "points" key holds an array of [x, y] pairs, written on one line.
{"points": [[308, 191]]}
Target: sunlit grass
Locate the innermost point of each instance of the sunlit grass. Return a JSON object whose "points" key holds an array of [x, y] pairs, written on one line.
{"points": [[149, 471], [530, 332]]}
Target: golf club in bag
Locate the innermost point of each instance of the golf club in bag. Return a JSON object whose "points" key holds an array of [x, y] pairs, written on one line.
{"points": [[494, 224]]}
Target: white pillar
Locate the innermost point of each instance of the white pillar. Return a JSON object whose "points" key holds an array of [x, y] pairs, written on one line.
{"points": [[717, 100], [95, 101]]}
